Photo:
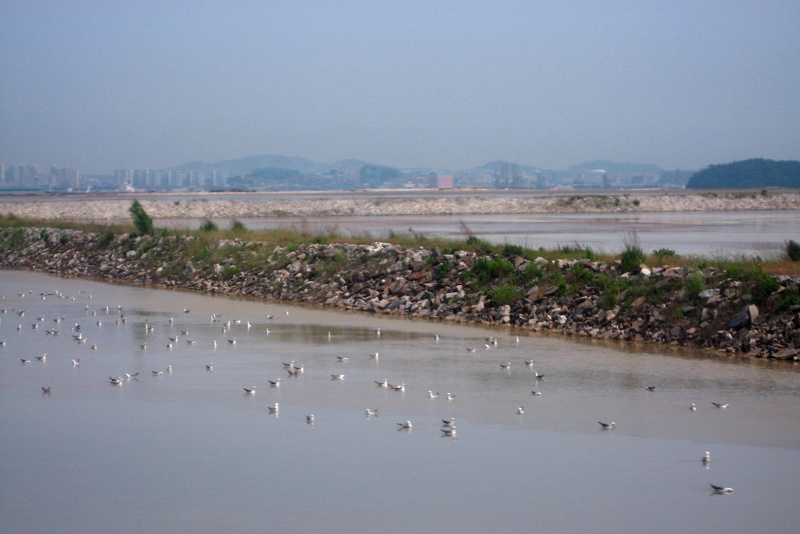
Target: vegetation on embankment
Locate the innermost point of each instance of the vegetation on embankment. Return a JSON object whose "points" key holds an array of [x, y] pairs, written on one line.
{"points": [[734, 306]]}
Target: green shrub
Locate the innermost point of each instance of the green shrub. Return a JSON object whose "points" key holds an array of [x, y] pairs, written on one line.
{"points": [[763, 285], [513, 250], [44, 235], [664, 253], [532, 271], [695, 283], [443, 269], [238, 226], [479, 245], [105, 239], [15, 240], [582, 274], [632, 257], [229, 272], [504, 294], [141, 220], [208, 226], [793, 250], [789, 298], [486, 270]]}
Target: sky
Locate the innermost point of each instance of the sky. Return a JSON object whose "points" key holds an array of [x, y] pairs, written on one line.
{"points": [[101, 85]]}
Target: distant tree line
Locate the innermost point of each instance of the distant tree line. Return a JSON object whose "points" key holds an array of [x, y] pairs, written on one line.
{"points": [[751, 173]]}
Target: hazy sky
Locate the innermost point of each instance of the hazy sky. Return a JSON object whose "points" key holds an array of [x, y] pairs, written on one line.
{"points": [[101, 85]]}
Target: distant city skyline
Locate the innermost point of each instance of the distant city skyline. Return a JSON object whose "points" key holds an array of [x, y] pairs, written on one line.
{"points": [[102, 85]]}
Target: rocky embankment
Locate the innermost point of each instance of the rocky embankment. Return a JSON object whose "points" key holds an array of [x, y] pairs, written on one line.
{"points": [[706, 309], [213, 207]]}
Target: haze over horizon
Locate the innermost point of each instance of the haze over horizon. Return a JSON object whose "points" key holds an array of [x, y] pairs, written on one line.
{"points": [[100, 85]]}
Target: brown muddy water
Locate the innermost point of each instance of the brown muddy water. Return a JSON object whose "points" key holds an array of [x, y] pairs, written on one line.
{"points": [[190, 451]]}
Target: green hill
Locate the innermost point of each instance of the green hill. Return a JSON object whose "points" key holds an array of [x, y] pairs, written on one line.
{"points": [[751, 173]]}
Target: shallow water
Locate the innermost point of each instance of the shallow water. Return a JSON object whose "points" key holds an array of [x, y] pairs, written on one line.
{"points": [[710, 234], [191, 452]]}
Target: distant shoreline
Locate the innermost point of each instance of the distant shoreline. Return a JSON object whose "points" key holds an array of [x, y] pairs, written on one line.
{"points": [[374, 203]]}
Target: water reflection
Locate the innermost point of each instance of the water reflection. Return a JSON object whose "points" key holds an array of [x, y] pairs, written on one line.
{"points": [[191, 450]]}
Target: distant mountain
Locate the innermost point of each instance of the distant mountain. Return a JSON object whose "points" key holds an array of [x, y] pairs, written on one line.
{"points": [[348, 164], [747, 174], [245, 166]]}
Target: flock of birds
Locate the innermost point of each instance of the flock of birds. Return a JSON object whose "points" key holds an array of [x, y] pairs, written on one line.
{"points": [[448, 426]]}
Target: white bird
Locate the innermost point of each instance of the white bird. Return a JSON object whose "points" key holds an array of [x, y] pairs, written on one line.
{"points": [[721, 490], [451, 396], [24, 361], [529, 363], [158, 373], [506, 365], [310, 419], [537, 376], [115, 381], [288, 365], [608, 426], [46, 390], [342, 358], [693, 408], [273, 409], [42, 358], [275, 383], [76, 362], [210, 367], [169, 369], [432, 395], [536, 393], [374, 356], [299, 369], [371, 412], [450, 432], [520, 410], [707, 458], [449, 422], [650, 388], [129, 376], [406, 425], [470, 349], [720, 405], [337, 377], [232, 341], [250, 391], [401, 387]]}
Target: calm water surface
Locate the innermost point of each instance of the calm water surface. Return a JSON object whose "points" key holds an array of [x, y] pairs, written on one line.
{"points": [[710, 234], [191, 452]]}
